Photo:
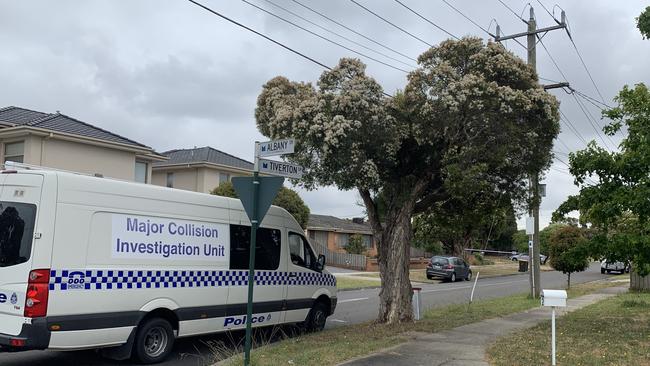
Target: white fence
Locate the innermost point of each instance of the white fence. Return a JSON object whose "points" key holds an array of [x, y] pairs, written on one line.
{"points": [[639, 283], [354, 261]]}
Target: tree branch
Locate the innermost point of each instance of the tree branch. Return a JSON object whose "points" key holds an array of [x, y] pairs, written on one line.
{"points": [[426, 202], [373, 212]]}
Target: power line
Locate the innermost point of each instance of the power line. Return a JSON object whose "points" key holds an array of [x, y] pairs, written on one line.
{"points": [[475, 23], [337, 34], [214, 12], [552, 58], [513, 12], [568, 122], [549, 13], [565, 145], [425, 19], [353, 31], [574, 97], [260, 34], [590, 122], [591, 118], [584, 65], [592, 100], [468, 18], [550, 80], [391, 23], [575, 47], [324, 38]]}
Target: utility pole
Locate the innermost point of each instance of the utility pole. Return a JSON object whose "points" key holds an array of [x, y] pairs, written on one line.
{"points": [[531, 36]]}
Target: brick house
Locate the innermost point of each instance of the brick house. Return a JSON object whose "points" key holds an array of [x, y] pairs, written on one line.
{"points": [[335, 233]]}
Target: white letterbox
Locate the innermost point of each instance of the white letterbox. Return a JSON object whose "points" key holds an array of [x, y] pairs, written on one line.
{"points": [[554, 298]]}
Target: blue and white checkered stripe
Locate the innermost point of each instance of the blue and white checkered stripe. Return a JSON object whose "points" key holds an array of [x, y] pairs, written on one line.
{"points": [[142, 279]]}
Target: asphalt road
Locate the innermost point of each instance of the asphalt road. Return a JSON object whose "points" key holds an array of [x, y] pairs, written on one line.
{"points": [[354, 307]]}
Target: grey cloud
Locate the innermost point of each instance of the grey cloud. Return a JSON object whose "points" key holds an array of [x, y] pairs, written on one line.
{"points": [[170, 75]]}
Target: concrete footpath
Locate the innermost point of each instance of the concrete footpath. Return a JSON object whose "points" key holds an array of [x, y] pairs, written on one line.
{"points": [[466, 345]]}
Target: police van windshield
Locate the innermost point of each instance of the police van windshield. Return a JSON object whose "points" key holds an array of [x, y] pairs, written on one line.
{"points": [[16, 232]]}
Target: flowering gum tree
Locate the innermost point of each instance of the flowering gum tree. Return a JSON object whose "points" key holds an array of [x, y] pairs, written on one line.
{"points": [[469, 111]]}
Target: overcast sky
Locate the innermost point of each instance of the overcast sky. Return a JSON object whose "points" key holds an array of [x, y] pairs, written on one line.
{"points": [[171, 75]]}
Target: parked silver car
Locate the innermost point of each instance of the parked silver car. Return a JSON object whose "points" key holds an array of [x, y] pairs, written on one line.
{"points": [[448, 268], [609, 266], [524, 257]]}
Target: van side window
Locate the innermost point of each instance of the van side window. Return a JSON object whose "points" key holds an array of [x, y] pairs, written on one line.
{"points": [[267, 247], [300, 251], [16, 232]]}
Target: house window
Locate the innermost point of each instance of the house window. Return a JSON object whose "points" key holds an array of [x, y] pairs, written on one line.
{"points": [[170, 180], [15, 151], [367, 241], [342, 240], [224, 177], [141, 171]]}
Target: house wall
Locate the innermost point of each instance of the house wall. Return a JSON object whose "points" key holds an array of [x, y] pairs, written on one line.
{"points": [[198, 179], [332, 241], [186, 179], [77, 157]]}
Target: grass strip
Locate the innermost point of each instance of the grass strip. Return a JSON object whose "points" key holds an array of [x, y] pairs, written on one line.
{"points": [[615, 331], [349, 282], [333, 346]]}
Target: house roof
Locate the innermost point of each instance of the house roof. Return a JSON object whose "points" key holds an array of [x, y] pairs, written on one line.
{"points": [[331, 223], [205, 154], [16, 116]]}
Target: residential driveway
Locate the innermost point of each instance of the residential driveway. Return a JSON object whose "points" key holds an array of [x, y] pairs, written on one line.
{"points": [[354, 307]]}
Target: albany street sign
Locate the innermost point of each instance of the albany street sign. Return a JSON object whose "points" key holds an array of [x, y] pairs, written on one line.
{"points": [[276, 147]]}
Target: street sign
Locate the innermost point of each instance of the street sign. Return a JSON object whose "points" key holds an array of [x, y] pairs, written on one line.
{"points": [[530, 225], [280, 168], [256, 194], [268, 189], [276, 147]]}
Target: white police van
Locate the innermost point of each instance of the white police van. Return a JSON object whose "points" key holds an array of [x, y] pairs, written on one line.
{"points": [[88, 262]]}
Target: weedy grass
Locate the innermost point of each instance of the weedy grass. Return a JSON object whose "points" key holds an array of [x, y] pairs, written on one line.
{"points": [[349, 283], [615, 331], [333, 346]]}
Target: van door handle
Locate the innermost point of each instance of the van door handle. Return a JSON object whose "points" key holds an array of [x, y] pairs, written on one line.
{"points": [[293, 274]]}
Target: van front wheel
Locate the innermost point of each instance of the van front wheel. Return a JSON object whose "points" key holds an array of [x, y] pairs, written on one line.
{"points": [[317, 317], [153, 340]]}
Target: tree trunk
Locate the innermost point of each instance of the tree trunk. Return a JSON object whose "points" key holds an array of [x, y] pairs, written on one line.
{"points": [[395, 233], [394, 263], [568, 281]]}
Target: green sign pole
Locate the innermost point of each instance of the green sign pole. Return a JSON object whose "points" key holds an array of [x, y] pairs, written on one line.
{"points": [[251, 268], [256, 195]]}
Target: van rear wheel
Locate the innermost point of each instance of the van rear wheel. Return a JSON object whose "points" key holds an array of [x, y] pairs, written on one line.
{"points": [[153, 341]]}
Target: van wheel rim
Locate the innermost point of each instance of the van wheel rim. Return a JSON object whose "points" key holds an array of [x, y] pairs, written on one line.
{"points": [[319, 319], [155, 341]]}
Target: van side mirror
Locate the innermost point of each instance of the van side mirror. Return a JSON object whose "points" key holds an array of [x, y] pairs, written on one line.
{"points": [[320, 264]]}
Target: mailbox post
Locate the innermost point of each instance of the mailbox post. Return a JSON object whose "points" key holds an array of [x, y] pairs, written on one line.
{"points": [[553, 298]]}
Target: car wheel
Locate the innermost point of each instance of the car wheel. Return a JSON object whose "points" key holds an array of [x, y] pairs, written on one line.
{"points": [[453, 277], [602, 271], [469, 276], [429, 278], [608, 271], [153, 341], [317, 317]]}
